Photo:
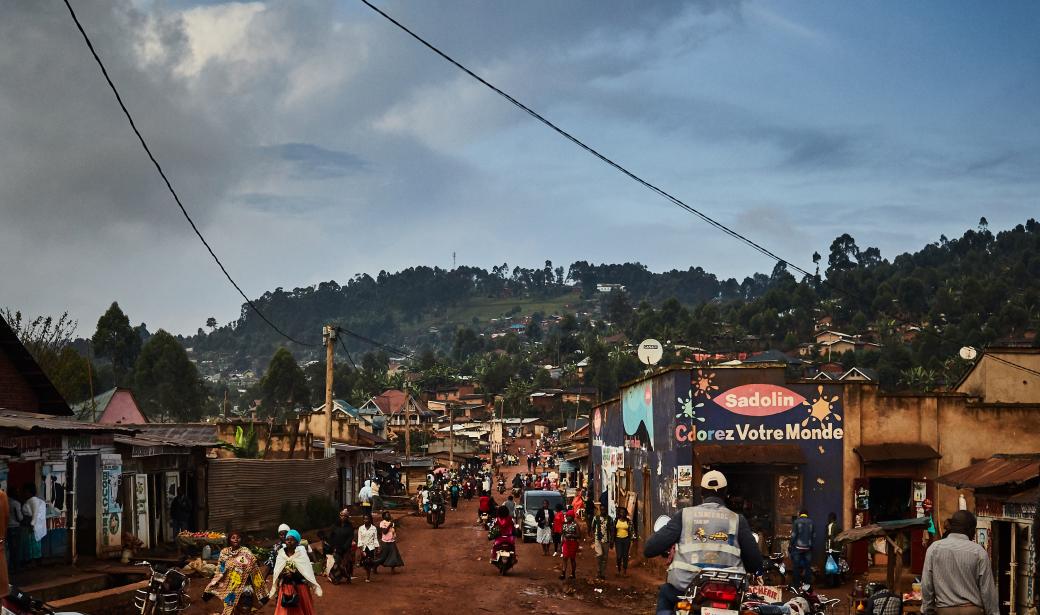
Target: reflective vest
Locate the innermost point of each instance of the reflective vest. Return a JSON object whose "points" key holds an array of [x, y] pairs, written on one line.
{"points": [[708, 540]]}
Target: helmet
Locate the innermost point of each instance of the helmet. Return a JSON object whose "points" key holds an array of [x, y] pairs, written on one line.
{"points": [[713, 480]]}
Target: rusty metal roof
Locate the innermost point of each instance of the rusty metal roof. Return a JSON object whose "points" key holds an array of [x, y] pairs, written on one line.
{"points": [[182, 434], [910, 451], [1029, 496], [32, 421], [996, 471], [787, 454]]}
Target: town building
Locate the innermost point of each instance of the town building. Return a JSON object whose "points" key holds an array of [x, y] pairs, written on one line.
{"points": [[114, 406], [830, 446]]}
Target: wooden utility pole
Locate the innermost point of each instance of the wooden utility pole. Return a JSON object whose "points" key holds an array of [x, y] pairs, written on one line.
{"points": [[329, 333], [451, 436], [407, 428]]}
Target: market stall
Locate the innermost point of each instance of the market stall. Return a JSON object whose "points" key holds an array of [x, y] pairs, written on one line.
{"points": [[896, 534]]}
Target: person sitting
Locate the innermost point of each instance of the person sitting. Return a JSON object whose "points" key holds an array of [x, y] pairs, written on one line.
{"points": [[503, 531]]}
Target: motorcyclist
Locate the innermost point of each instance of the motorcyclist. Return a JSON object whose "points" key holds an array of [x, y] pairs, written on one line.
{"points": [[506, 529], [693, 531], [484, 505]]}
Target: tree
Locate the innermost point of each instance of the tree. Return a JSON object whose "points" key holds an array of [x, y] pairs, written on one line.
{"points": [[49, 341], [117, 341], [843, 254], [284, 385], [166, 382], [211, 322]]}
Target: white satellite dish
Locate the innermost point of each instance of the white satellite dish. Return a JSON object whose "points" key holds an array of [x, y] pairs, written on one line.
{"points": [[968, 353], [650, 351]]}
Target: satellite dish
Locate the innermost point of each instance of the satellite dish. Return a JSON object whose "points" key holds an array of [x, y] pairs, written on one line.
{"points": [[968, 353], [650, 351]]}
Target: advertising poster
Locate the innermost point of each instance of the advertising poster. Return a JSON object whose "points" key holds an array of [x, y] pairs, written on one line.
{"points": [[111, 511], [53, 475], [685, 476]]}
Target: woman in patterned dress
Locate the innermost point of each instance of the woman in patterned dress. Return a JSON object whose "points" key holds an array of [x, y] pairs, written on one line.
{"points": [[238, 582]]}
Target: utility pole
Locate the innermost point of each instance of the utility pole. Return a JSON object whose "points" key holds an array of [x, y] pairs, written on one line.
{"points": [[329, 333], [407, 428], [451, 436]]}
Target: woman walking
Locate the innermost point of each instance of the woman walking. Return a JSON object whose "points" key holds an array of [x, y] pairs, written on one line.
{"points": [[557, 529], [293, 579], [391, 555], [569, 548], [368, 546], [544, 520], [599, 533], [622, 540], [34, 510], [238, 581]]}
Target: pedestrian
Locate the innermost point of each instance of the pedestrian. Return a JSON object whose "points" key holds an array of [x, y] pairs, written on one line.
{"points": [[569, 546], [958, 575], [803, 534], [293, 579], [557, 529], [180, 511], [599, 534], [368, 547], [454, 495], [340, 540], [510, 505], [238, 582], [377, 502], [485, 484], [35, 511], [15, 534], [391, 555], [621, 541], [578, 503], [543, 518], [365, 497]]}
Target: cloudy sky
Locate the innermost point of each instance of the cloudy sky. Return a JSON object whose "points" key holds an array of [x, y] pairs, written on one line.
{"points": [[313, 140]]}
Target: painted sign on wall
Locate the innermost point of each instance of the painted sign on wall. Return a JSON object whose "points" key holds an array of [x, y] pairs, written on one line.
{"points": [[112, 510]]}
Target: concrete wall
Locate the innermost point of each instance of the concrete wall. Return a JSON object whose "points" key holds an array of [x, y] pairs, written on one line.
{"points": [[994, 381], [959, 430]]}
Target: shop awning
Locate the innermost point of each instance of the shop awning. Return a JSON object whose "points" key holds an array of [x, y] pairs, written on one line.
{"points": [[714, 454], [993, 472], [883, 528], [878, 453]]}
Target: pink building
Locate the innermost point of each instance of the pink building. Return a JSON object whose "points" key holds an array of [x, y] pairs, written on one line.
{"points": [[111, 407]]}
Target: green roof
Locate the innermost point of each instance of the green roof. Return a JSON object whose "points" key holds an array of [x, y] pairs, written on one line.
{"points": [[84, 411]]}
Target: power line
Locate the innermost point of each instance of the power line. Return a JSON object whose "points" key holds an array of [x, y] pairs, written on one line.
{"points": [[376, 343], [1013, 364], [591, 150], [166, 180], [347, 352]]}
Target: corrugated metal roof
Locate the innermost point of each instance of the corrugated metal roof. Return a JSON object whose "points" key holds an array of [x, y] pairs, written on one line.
{"points": [[1029, 496], [871, 453], [187, 434], [341, 446], [248, 494], [996, 471], [31, 421], [711, 454]]}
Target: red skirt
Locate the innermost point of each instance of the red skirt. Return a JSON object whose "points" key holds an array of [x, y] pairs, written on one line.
{"points": [[570, 548], [304, 606]]}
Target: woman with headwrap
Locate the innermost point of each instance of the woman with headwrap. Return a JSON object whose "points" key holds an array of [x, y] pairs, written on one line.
{"points": [[293, 579], [238, 582]]}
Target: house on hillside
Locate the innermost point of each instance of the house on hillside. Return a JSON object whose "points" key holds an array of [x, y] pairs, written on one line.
{"points": [[395, 405], [113, 407], [368, 419]]}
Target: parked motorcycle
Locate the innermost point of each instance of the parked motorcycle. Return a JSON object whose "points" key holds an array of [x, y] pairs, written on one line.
{"points": [[435, 516], [718, 592], [18, 602], [167, 591], [805, 601], [774, 570]]}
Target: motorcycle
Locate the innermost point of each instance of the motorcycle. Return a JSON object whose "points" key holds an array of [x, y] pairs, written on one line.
{"points": [[504, 558], [18, 602], [774, 571], [467, 491], [167, 591], [714, 592], [807, 602], [435, 516], [501, 486]]}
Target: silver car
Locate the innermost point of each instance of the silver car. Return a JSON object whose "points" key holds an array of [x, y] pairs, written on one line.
{"points": [[532, 502]]}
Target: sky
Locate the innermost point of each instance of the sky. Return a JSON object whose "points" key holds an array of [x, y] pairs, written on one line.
{"points": [[313, 141]]}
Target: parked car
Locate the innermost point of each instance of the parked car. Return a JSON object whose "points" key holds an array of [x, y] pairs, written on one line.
{"points": [[532, 502]]}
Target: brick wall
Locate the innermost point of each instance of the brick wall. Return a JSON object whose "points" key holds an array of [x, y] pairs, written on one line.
{"points": [[15, 393]]}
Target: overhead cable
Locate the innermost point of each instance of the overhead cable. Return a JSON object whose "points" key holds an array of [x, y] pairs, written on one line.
{"points": [[169, 186]]}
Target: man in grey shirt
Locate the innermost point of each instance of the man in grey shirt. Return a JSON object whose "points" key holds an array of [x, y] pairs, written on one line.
{"points": [[958, 579]]}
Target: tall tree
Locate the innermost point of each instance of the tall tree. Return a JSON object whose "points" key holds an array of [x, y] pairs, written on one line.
{"points": [[284, 386], [117, 341], [166, 382]]}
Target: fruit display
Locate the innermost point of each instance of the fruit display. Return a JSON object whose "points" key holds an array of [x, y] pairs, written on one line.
{"points": [[198, 539]]}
